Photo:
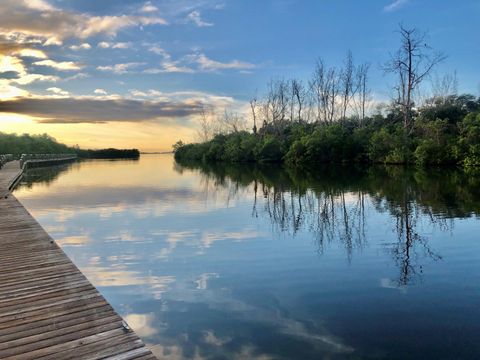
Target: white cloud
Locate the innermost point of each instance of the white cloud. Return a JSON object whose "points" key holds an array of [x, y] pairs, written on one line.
{"points": [[84, 46], [15, 65], [118, 45], [397, 4], [100, 92], [111, 24], [34, 53], [11, 64], [207, 64], [216, 101], [58, 91], [39, 5], [196, 18], [169, 68], [39, 21], [103, 45], [9, 92], [76, 76], [148, 7], [159, 51], [122, 45], [119, 68], [61, 65], [29, 78], [193, 63]]}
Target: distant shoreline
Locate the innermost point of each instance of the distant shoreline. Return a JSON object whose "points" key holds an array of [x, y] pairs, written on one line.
{"points": [[156, 153]]}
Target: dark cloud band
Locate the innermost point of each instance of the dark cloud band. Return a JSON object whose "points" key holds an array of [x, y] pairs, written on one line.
{"points": [[75, 110]]}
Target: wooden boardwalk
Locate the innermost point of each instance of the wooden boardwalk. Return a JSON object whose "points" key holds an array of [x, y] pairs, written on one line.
{"points": [[48, 309]]}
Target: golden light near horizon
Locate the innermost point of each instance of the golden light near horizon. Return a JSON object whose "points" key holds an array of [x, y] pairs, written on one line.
{"points": [[146, 137]]}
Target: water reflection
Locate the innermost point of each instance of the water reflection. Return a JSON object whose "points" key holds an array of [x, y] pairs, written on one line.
{"points": [[225, 262], [330, 202]]}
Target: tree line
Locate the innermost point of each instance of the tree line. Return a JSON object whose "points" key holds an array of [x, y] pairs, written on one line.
{"points": [[332, 117], [45, 144]]}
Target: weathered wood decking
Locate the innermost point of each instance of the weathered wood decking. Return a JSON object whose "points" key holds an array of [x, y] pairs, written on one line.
{"points": [[48, 309]]}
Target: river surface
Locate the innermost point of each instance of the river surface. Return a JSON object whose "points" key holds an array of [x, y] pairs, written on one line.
{"points": [[245, 262]]}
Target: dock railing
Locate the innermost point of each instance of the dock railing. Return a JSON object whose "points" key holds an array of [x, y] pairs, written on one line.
{"points": [[5, 158], [45, 158]]}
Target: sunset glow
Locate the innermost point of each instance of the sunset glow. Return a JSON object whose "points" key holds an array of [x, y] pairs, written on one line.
{"points": [[138, 73]]}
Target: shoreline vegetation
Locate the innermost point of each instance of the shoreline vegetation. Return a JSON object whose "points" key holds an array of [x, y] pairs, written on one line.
{"points": [[333, 118], [45, 144]]}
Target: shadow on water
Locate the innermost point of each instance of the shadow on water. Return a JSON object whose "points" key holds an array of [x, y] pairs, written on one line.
{"points": [[331, 201], [44, 175]]}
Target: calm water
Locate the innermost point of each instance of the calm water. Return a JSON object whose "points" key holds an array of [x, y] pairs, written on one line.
{"points": [[263, 263]]}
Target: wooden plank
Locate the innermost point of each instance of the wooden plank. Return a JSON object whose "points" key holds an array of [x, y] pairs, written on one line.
{"points": [[48, 308]]}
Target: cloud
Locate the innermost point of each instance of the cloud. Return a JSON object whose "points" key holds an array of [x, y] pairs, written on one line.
{"points": [[195, 17], [11, 64], [207, 64], [76, 77], [34, 53], [58, 91], [119, 68], [122, 45], [84, 46], [167, 65], [20, 47], [193, 63], [7, 91], [97, 110], [156, 49], [61, 65], [151, 105], [39, 5], [38, 21], [212, 100], [111, 24], [103, 45], [30, 78], [118, 45], [14, 65], [397, 4], [148, 7]]}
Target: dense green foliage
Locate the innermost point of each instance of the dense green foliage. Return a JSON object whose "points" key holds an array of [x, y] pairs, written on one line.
{"points": [[108, 154], [31, 144], [45, 144], [445, 131]]}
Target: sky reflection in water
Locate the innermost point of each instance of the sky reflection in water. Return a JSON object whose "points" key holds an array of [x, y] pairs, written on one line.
{"points": [[248, 262]]}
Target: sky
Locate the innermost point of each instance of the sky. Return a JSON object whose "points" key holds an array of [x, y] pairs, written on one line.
{"points": [[137, 73]]}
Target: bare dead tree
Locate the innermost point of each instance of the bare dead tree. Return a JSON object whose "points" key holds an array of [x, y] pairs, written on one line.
{"points": [[253, 107], [443, 87], [317, 87], [232, 122], [297, 100], [292, 99], [276, 104], [363, 93], [333, 90], [206, 124], [412, 63], [347, 83]]}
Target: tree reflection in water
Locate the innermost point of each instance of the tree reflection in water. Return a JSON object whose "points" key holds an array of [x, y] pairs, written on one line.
{"points": [[332, 203]]}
